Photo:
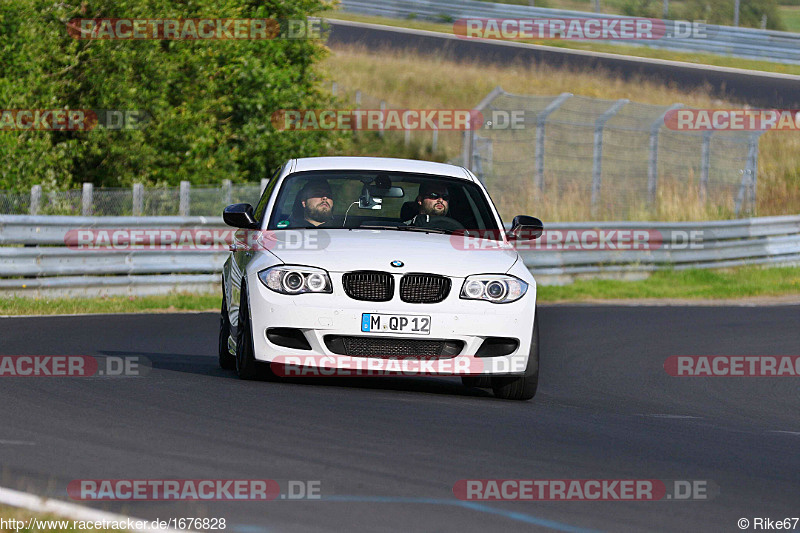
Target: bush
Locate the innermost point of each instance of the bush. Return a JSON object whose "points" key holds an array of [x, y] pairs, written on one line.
{"points": [[210, 101]]}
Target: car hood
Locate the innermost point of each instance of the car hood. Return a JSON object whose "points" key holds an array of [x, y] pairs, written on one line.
{"points": [[342, 250]]}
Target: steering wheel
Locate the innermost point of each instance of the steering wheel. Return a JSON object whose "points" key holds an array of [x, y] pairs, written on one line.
{"points": [[436, 222]]}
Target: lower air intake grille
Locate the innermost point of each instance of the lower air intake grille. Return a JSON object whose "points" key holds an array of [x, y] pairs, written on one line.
{"points": [[388, 348]]}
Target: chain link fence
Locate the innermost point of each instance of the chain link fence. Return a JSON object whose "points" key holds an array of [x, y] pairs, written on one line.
{"points": [[564, 158], [576, 158]]}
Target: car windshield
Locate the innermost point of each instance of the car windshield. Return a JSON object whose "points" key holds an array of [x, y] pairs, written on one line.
{"points": [[380, 199]]}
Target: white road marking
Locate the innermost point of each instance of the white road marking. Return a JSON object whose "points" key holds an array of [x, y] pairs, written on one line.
{"points": [[64, 509]]}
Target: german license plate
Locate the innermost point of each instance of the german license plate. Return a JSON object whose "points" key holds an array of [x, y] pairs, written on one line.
{"points": [[380, 323]]}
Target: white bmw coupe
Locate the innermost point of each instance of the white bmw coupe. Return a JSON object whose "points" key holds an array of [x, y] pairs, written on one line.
{"points": [[356, 262]]}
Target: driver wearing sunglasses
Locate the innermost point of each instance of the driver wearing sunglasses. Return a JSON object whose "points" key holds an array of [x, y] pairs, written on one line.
{"points": [[434, 200]]}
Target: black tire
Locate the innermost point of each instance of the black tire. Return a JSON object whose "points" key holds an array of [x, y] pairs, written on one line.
{"points": [[246, 365], [226, 360], [480, 382], [522, 387]]}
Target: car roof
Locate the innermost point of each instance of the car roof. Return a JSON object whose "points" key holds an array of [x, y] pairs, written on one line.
{"points": [[380, 163]]}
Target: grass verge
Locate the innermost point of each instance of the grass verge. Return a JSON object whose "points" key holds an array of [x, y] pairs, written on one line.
{"points": [[735, 283], [114, 304], [744, 282]]}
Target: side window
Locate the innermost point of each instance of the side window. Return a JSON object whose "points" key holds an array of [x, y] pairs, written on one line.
{"points": [[262, 203]]}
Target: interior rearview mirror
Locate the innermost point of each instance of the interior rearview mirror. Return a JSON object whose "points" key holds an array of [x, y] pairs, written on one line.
{"points": [[388, 192]]}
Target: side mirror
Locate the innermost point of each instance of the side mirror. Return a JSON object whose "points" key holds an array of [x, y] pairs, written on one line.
{"points": [[524, 227], [239, 216]]}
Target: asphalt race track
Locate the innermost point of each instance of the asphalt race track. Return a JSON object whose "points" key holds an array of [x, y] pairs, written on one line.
{"points": [[752, 87], [387, 452]]}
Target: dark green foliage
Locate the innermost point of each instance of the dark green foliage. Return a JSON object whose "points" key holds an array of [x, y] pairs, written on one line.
{"points": [[211, 101]]}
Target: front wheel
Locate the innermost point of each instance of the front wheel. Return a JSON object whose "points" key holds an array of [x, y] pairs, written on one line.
{"points": [[226, 360], [522, 387], [246, 365]]}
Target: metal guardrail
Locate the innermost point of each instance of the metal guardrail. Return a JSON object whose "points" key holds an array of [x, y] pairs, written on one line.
{"points": [[35, 262], [745, 43]]}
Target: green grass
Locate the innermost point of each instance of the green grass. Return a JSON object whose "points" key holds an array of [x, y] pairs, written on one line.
{"points": [[791, 17], [115, 304], [637, 51], [689, 284]]}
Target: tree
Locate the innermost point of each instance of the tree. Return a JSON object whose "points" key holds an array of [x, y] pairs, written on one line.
{"points": [[210, 101]]}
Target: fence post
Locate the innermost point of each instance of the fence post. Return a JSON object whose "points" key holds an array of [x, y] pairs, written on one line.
{"points": [[652, 163], [36, 196], [227, 192], [264, 182], [138, 199], [597, 155], [541, 122], [86, 199], [334, 88], [752, 161], [469, 135], [383, 116], [435, 141], [747, 188], [358, 99], [705, 163], [184, 199], [469, 147]]}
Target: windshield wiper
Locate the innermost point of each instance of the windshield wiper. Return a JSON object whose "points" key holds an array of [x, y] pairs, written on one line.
{"points": [[409, 228]]}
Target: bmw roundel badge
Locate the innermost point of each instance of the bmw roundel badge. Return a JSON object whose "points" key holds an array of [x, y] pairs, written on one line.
{"points": [[397, 264]]}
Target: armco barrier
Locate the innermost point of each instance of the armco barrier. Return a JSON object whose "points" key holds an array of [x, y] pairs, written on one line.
{"points": [[34, 261], [745, 43]]}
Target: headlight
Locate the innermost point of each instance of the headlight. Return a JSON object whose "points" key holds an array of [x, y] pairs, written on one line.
{"points": [[497, 288], [296, 279]]}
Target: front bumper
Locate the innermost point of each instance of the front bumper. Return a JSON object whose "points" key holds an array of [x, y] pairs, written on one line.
{"points": [[465, 321]]}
